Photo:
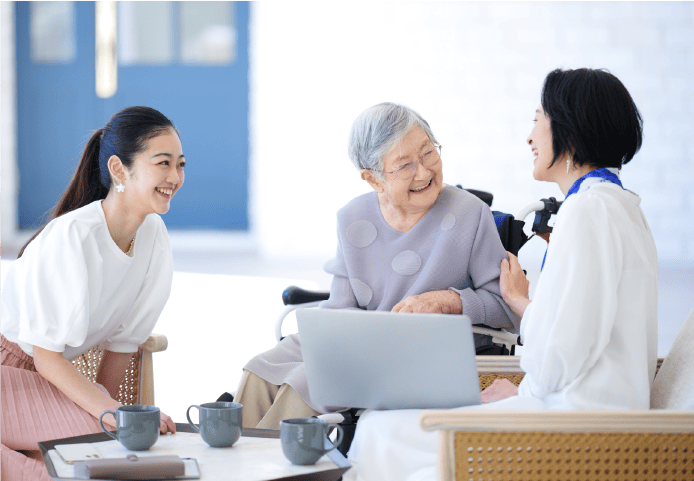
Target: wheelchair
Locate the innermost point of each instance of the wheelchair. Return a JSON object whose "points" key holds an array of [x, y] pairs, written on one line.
{"points": [[510, 229], [512, 237]]}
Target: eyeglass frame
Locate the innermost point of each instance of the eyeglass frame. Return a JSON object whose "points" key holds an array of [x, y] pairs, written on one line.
{"points": [[437, 147]]}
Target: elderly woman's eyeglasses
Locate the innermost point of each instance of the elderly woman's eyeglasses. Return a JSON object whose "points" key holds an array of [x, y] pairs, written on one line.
{"points": [[407, 170]]}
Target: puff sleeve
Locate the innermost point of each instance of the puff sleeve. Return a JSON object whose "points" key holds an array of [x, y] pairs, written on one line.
{"points": [[341, 292], [482, 302], [56, 286]]}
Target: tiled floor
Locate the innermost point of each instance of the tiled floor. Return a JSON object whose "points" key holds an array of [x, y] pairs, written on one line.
{"points": [[225, 300]]}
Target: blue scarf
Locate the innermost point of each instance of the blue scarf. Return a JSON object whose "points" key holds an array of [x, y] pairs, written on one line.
{"points": [[602, 173]]}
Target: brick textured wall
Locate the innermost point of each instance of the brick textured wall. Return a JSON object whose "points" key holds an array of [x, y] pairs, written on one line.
{"points": [[474, 71]]}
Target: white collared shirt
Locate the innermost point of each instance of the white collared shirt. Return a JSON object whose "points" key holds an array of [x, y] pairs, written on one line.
{"points": [[590, 334]]}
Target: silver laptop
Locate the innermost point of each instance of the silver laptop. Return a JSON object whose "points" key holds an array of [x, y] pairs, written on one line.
{"points": [[386, 360]]}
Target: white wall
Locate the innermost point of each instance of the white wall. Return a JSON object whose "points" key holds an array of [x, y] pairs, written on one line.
{"points": [[474, 71], [8, 120]]}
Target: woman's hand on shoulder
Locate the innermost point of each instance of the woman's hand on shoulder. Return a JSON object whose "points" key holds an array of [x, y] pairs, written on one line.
{"points": [[514, 285], [499, 389], [437, 302]]}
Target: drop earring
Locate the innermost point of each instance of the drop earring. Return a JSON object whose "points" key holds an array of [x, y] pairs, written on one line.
{"points": [[568, 164], [120, 187]]}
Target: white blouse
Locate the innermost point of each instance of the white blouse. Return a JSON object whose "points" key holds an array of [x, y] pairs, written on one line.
{"points": [[591, 333], [73, 287]]}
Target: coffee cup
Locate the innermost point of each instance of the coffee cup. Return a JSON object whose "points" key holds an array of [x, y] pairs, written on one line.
{"points": [[137, 426], [303, 439], [220, 423]]}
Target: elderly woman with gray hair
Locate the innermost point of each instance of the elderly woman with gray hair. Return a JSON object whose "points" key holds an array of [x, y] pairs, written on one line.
{"points": [[415, 244]]}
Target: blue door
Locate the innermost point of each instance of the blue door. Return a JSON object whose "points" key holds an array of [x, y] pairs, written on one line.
{"points": [[165, 63]]}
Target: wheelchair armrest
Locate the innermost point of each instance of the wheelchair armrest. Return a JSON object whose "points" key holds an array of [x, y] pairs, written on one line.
{"points": [[499, 336], [296, 295]]}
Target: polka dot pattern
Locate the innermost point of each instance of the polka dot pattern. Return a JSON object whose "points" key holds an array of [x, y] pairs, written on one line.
{"points": [[362, 292], [406, 263], [361, 233], [448, 222]]}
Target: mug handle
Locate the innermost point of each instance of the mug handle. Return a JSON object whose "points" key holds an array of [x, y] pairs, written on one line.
{"points": [[188, 416], [340, 434], [101, 423]]}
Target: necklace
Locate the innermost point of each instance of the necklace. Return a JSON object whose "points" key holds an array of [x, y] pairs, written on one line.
{"points": [[130, 249]]}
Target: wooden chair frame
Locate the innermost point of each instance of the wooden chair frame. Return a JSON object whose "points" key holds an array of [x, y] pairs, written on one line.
{"points": [[560, 445]]}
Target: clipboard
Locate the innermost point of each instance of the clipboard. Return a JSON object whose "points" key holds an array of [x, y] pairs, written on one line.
{"points": [[138, 468]]}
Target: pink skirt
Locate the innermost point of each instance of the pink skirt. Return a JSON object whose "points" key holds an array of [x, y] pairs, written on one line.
{"points": [[32, 410]]}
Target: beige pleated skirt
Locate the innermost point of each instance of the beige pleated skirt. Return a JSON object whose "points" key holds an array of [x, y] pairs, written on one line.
{"points": [[32, 410]]}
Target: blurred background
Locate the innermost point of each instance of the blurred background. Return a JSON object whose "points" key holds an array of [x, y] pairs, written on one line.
{"points": [[264, 94]]}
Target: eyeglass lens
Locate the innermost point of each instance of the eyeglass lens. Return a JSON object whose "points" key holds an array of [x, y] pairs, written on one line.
{"points": [[406, 171]]}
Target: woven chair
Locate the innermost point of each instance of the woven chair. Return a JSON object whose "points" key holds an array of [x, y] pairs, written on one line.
{"points": [[138, 384], [560, 445], [565, 446]]}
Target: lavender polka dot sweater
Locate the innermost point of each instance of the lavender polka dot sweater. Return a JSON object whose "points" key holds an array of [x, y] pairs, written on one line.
{"points": [[455, 245]]}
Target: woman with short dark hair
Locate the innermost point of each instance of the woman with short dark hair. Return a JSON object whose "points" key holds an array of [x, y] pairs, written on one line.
{"points": [[595, 306], [594, 120], [99, 273], [590, 332]]}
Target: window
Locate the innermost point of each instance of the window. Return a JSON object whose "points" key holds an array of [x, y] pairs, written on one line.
{"points": [[52, 32], [207, 33], [162, 33], [144, 33]]}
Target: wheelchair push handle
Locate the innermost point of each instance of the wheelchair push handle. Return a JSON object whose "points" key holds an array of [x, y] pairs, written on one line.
{"points": [[551, 206], [293, 295]]}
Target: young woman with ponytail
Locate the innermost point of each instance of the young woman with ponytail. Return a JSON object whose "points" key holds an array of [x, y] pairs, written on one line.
{"points": [[98, 273]]}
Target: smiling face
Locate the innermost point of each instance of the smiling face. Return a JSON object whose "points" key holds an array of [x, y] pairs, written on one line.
{"points": [[157, 174], [421, 191], [540, 141]]}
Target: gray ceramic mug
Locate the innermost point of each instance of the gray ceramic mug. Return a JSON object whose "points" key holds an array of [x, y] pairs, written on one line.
{"points": [[303, 439], [220, 423], [137, 426]]}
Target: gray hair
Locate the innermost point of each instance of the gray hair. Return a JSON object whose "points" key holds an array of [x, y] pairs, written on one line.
{"points": [[377, 130]]}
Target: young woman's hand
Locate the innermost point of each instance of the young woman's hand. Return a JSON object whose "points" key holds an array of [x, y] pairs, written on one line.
{"points": [[514, 285], [166, 424], [499, 389], [111, 373], [64, 375]]}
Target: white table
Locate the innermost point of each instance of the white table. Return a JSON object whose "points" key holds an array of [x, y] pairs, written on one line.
{"points": [[256, 456]]}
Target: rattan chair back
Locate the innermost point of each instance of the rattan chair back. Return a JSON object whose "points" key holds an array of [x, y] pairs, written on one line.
{"points": [[128, 392], [540, 456]]}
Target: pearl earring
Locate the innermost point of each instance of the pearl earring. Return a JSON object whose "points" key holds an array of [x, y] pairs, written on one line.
{"points": [[120, 187]]}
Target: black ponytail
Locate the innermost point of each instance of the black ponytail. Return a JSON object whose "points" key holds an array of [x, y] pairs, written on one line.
{"points": [[85, 186], [125, 135]]}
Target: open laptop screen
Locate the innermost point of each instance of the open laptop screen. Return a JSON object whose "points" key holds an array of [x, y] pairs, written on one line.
{"points": [[385, 360]]}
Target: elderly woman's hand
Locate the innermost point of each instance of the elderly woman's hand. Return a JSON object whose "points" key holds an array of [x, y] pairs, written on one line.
{"points": [[440, 302], [500, 389], [514, 285]]}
